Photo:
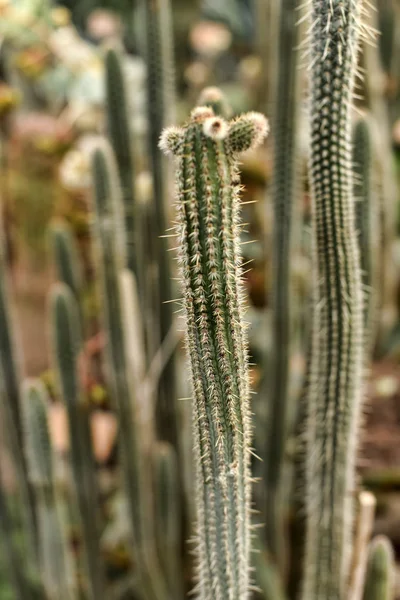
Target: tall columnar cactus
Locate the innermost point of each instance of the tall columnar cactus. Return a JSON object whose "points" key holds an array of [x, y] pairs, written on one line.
{"points": [[379, 582], [55, 558], [366, 223], [161, 104], [11, 411], [334, 394], [120, 138], [66, 259], [111, 261], [67, 345], [168, 515], [208, 229], [284, 190]]}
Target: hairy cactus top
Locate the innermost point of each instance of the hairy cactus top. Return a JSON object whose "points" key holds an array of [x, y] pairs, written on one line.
{"points": [[209, 256]]}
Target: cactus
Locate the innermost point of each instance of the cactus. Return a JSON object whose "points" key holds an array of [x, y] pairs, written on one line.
{"points": [[11, 412], [208, 231], [334, 395], [366, 220], [66, 258], [161, 104], [120, 138], [67, 344], [14, 558], [379, 582], [55, 559], [168, 514], [284, 191], [111, 260]]}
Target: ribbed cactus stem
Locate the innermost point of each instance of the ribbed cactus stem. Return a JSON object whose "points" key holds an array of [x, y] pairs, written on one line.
{"points": [[55, 559], [11, 411], [110, 259], [67, 345], [366, 223], [159, 55], [15, 560], [284, 190], [168, 515], [335, 388], [120, 138], [208, 230], [379, 582], [66, 258]]}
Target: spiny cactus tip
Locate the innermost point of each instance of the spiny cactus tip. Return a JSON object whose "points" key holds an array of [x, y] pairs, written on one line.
{"points": [[248, 132], [215, 99], [201, 113], [215, 128], [170, 139]]}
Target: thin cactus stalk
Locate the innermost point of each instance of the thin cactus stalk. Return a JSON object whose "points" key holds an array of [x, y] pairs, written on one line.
{"points": [[366, 222], [208, 230], [66, 259], [379, 582], [120, 138], [168, 515], [161, 102], [14, 558], [67, 345], [284, 190], [335, 388], [11, 411], [55, 558], [111, 262]]}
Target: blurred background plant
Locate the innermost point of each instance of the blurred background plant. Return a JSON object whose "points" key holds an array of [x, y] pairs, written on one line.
{"points": [[73, 74]]}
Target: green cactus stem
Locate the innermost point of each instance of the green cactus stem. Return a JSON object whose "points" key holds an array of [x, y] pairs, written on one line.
{"points": [[111, 260], [168, 515], [15, 561], [284, 196], [67, 344], [366, 222], [55, 558], [120, 138], [379, 581], [159, 55], [66, 259], [11, 411], [208, 230], [335, 387]]}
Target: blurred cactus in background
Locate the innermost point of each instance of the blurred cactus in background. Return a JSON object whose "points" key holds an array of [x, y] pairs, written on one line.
{"points": [[123, 452]]}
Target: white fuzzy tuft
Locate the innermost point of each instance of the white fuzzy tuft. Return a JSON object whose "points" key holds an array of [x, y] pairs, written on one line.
{"points": [[170, 140], [215, 128], [201, 113], [261, 127]]}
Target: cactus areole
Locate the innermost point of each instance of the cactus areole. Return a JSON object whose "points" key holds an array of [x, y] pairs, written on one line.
{"points": [[208, 228]]}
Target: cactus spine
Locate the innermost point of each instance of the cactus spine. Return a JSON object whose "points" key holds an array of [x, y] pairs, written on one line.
{"points": [[55, 560], [111, 260], [284, 190], [379, 582], [67, 344], [208, 231], [334, 395]]}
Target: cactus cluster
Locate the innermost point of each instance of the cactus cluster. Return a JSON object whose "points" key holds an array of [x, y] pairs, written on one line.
{"points": [[336, 560]]}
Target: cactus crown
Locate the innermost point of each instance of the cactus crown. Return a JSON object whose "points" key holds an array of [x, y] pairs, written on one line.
{"points": [[239, 135]]}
